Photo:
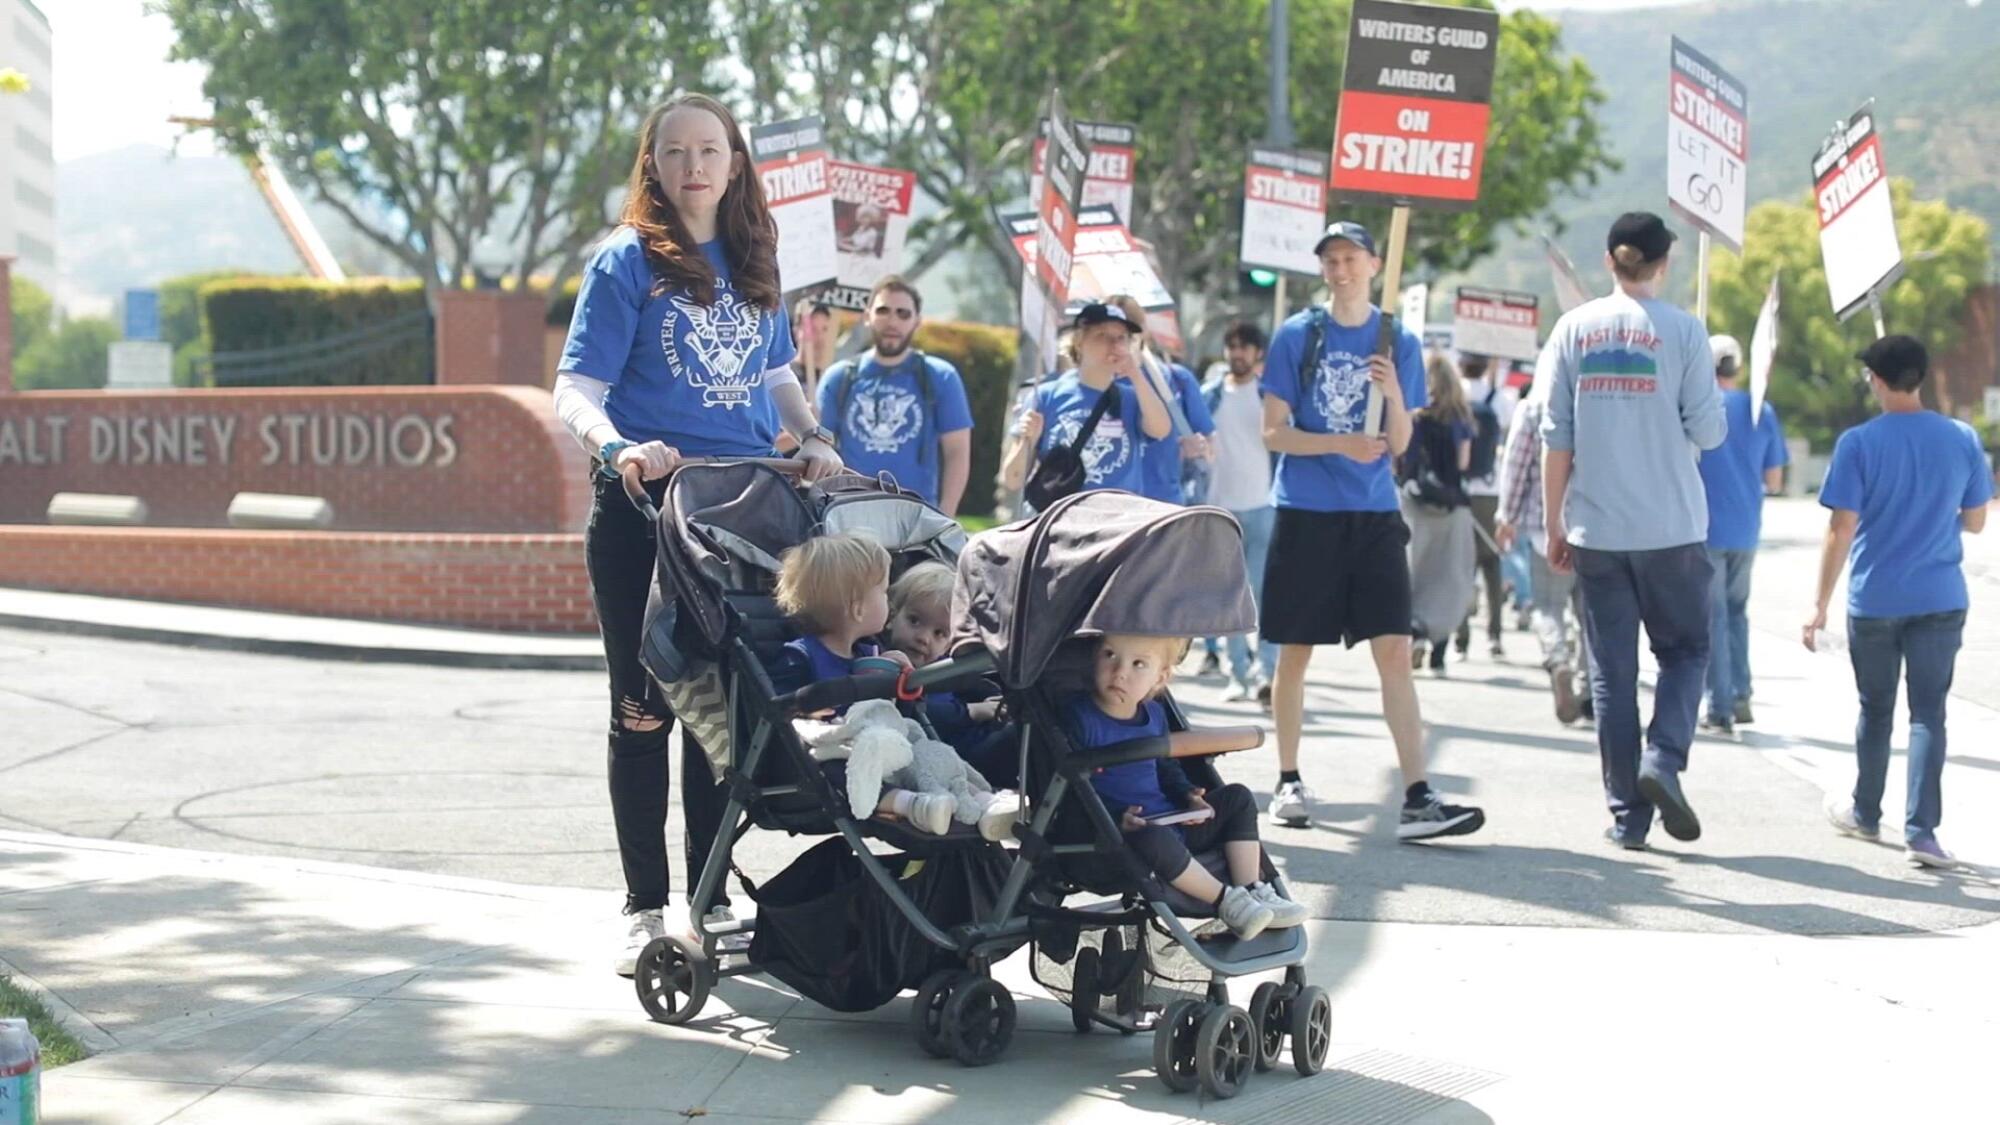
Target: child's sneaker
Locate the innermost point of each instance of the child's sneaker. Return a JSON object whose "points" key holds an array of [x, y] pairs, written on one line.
{"points": [[932, 812], [1284, 912], [1241, 911], [996, 823]]}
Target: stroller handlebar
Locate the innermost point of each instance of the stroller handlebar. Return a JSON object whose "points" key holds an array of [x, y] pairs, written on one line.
{"points": [[845, 691], [1182, 744], [635, 487]]}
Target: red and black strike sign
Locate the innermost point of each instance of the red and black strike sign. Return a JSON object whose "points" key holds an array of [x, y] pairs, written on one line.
{"points": [[1413, 106]]}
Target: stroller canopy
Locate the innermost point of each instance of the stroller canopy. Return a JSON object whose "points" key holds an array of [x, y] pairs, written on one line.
{"points": [[724, 527], [1104, 562]]}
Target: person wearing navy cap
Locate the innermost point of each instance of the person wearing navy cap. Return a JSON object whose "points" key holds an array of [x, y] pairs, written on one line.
{"points": [[1106, 340], [1902, 488], [1338, 571]]}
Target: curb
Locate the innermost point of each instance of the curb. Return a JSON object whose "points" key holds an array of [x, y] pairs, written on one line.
{"points": [[310, 649]]}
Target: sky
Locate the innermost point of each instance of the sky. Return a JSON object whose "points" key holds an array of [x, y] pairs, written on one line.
{"points": [[114, 86]]}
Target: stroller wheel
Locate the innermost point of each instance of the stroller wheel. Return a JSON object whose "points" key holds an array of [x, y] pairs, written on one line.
{"points": [[1083, 989], [1311, 1029], [1225, 1051], [978, 1021], [672, 979], [1268, 1016], [1173, 1045], [927, 1012]]}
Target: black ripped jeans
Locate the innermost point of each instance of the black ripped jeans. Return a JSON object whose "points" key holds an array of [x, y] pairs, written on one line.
{"points": [[619, 552]]}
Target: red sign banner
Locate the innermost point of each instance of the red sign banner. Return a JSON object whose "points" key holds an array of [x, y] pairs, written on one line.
{"points": [[1413, 107]]}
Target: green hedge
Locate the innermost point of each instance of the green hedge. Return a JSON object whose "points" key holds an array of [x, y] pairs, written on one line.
{"points": [[307, 333], [984, 355], [180, 321]]}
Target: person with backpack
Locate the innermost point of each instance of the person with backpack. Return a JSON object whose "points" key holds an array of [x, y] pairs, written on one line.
{"points": [[1083, 428], [1338, 572], [1632, 402], [1490, 406], [897, 411], [1432, 474]]}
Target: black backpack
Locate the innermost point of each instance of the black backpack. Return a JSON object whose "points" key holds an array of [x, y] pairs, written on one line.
{"points": [[852, 375], [1486, 436]]}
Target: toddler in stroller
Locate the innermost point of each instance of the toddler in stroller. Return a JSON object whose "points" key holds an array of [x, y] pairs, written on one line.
{"points": [[1165, 817], [920, 628]]}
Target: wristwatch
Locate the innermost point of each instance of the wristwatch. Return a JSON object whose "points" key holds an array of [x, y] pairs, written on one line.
{"points": [[606, 454], [823, 434]]}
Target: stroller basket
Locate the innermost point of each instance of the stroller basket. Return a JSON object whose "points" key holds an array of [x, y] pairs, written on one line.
{"points": [[826, 929]]}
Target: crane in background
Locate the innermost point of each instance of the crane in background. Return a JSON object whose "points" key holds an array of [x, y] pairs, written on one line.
{"points": [[285, 206]]}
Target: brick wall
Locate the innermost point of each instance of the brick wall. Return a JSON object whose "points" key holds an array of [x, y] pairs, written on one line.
{"points": [[473, 459], [491, 336], [525, 583], [6, 325]]}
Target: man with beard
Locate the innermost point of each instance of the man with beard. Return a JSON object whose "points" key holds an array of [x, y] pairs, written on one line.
{"points": [[895, 409]]}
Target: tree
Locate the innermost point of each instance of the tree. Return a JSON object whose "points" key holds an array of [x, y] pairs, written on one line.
{"points": [[75, 356], [952, 92], [33, 312], [1815, 382], [479, 134]]}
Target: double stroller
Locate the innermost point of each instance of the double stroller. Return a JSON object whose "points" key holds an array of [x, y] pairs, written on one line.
{"points": [[880, 908]]}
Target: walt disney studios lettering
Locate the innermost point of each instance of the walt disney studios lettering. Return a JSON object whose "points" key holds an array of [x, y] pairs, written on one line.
{"points": [[324, 439]]}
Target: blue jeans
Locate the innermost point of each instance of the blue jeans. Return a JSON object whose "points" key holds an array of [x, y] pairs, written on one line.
{"points": [[1728, 629], [1515, 566], [1925, 650], [1667, 592], [1257, 525]]}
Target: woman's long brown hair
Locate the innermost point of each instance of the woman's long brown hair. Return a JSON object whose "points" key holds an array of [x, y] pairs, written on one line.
{"points": [[749, 235], [1447, 394]]}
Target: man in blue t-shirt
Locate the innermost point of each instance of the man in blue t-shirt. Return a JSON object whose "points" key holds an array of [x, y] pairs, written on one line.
{"points": [[1902, 487], [1337, 570], [1736, 475], [897, 410]]}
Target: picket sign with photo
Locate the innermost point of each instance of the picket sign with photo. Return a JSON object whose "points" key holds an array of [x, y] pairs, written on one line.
{"points": [[792, 164], [1412, 124], [871, 225]]}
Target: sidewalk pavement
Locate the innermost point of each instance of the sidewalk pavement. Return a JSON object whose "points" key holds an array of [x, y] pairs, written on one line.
{"points": [[224, 989], [285, 634]]}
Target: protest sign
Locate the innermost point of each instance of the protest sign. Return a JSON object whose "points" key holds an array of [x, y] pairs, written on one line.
{"points": [[792, 161], [1857, 225], [1763, 350], [1055, 236], [871, 223], [1496, 322], [1708, 144], [1113, 167], [1284, 209], [1415, 309], [1412, 125]]}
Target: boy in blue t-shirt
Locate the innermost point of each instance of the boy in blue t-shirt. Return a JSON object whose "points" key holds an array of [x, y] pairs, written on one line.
{"points": [[1338, 571], [897, 410], [1127, 676], [1902, 488]]}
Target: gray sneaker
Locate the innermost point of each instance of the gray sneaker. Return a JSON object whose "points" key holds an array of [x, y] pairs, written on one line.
{"points": [[1245, 916], [1840, 813], [1291, 805], [1284, 912], [1928, 853], [1743, 715], [1562, 682]]}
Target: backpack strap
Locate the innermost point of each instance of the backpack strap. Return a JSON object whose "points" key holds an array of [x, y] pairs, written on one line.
{"points": [[1104, 402], [1309, 365], [849, 372]]}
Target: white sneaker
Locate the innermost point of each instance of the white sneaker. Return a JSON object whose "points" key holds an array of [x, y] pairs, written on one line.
{"points": [[932, 812], [1284, 912], [996, 823], [646, 925], [1238, 692], [1292, 804], [1241, 911]]}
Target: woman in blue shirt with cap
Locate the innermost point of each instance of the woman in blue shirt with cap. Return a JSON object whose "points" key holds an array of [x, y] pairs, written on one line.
{"points": [[1112, 456], [678, 348]]}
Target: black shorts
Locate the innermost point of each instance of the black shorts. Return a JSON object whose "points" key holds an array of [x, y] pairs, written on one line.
{"points": [[1336, 578]]}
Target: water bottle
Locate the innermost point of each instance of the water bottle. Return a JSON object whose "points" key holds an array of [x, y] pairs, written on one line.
{"points": [[20, 1074]]}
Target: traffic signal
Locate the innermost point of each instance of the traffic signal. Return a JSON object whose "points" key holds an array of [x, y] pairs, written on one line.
{"points": [[1258, 282]]}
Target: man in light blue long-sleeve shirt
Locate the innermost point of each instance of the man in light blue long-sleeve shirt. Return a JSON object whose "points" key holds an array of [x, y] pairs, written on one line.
{"points": [[1633, 401]]}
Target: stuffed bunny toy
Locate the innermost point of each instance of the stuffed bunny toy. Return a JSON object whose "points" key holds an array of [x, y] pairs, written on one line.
{"points": [[885, 749]]}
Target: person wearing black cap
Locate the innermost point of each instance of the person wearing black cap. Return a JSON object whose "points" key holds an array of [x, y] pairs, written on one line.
{"points": [[1105, 340], [1338, 571], [1632, 401], [1902, 487]]}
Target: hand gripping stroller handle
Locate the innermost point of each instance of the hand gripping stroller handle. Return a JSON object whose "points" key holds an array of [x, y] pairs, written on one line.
{"points": [[635, 488], [1183, 744]]}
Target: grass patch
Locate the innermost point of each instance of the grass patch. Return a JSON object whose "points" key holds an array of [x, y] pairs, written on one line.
{"points": [[59, 1047], [975, 524]]}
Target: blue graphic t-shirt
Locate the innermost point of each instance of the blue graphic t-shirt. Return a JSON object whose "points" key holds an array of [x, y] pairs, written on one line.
{"points": [[885, 426], [681, 372], [1162, 456], [1733, 473], [1334, 400], [1155, 786], [1111, 457], [1908, 476]]}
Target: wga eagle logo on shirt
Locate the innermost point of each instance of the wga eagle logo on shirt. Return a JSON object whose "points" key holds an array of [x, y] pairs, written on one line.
{"points": [[1619, 362], [1341, 392], [884, 417], [710, 346], [1107, 451]]}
